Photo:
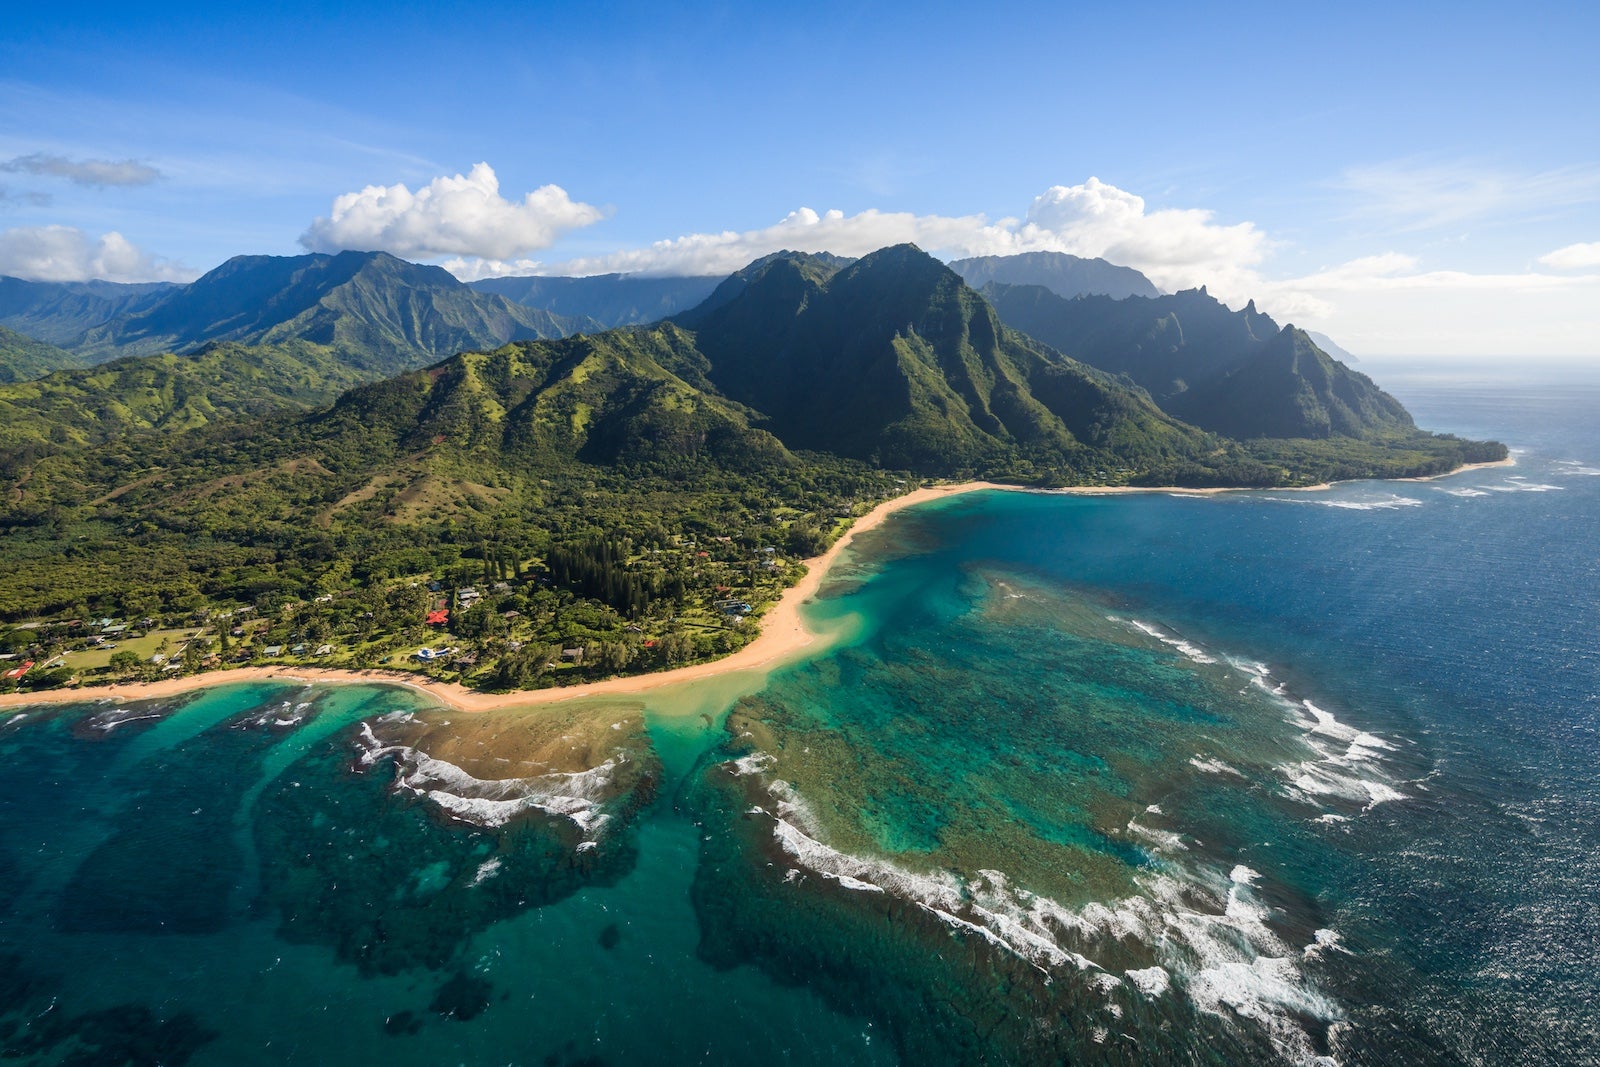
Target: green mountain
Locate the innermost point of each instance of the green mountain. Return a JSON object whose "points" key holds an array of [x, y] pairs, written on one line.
{"points": [[893, 359], [604, 399], [1235, 372], [168, 392], [22, 358], [1288, 387], [607, 299], [1062, 274], [381, 313], [61, 312]]}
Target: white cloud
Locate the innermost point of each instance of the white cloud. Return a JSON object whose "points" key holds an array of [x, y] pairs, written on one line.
{"points": [[67, 254], [1390, 303], [803, 230], [1386, 304], [1573, 257], [97, 172], [450, 216], [1177, 248]]}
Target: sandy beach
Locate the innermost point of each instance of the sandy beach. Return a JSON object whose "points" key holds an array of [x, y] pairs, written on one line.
{"points": [[784, 635]]}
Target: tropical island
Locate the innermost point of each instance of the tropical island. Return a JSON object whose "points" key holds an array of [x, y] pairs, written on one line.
{"points": [[355, 463]]}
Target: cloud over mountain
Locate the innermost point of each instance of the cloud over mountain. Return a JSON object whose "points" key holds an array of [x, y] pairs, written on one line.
{"points": [[67, 254], [1176, 248], [464, 215], [96, 172]]}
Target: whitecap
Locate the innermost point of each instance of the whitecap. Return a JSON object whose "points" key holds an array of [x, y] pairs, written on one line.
{"points": [[754, 763], [1161, 839], [576, 796], [1523, 486], [1326, 941], [1212, 765], [1151, 981], [1393, 503], [1228, 960], [1194, 652]]}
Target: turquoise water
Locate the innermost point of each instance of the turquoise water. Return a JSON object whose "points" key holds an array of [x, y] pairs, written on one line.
{"points": [[1254, 778]]}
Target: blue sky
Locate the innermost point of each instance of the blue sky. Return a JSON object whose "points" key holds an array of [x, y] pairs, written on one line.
{"points": [[1424, 181]]}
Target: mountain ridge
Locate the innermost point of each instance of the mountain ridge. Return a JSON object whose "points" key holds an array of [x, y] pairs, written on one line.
{"points": [[384, 313], [1234, 372], [1063, 274], [893, 359], [608, 300]]}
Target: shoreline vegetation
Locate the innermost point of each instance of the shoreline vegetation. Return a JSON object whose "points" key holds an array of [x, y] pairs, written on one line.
{"points": [[784, 635]]}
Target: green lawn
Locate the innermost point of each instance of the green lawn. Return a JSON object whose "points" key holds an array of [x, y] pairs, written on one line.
{"points": [[144, 647]]}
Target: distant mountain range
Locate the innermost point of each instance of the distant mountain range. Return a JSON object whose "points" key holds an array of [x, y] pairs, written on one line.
{"points": [[1062, 274], [22, 358], [892, 359], [62, 312], [382, 313], [605, 300], [1330, 346], [379, 314], [1235, 372]]}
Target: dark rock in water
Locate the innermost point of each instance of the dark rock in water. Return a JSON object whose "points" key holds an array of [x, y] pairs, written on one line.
{"points": [[462, 998], [568, 1055], [610, 937], [402, 1024], [33, 1028], [391, 886]]}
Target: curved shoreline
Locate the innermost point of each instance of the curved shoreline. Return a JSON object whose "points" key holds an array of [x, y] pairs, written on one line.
{"points": [[784, 635]]}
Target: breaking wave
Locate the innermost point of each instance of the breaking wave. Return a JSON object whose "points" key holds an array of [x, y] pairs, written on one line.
{"points": [[577, 796]]}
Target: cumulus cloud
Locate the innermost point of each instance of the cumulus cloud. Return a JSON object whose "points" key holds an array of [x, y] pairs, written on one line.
{"points": [[1386, 303], [67, 254], [464, 215], [803, 230], [96, 172], [1573, 257], [1177, 248]]}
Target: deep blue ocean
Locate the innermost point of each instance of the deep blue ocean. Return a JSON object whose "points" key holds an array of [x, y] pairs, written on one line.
{"points": [[1256, 777]]}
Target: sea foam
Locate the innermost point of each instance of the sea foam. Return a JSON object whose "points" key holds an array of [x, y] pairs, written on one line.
{"points": [[1224, 956], [575, 796]]}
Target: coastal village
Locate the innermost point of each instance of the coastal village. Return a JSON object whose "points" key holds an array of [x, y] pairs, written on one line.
{"points": [[516, 630]]}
